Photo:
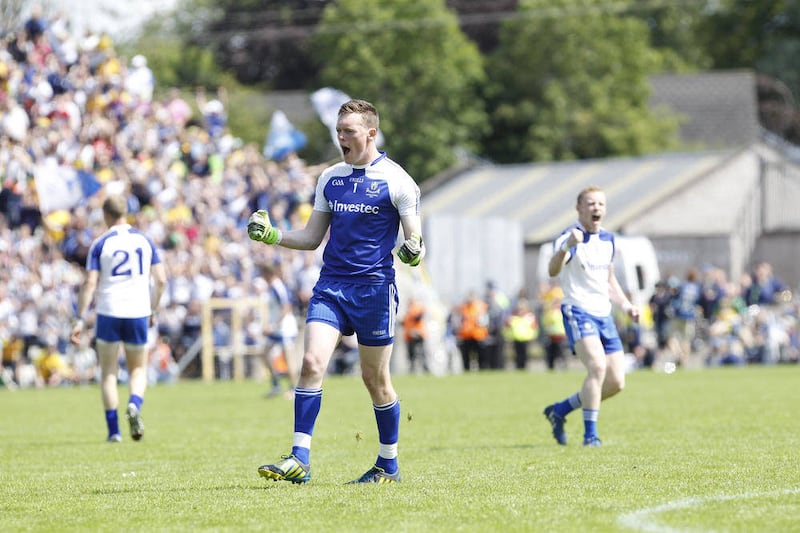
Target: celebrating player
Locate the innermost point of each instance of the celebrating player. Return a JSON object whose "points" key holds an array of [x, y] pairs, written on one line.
{"points": [[583, 256], [120, 265], [364, 201]]}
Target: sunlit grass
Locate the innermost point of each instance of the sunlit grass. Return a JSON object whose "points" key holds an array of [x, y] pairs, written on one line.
{"points": [[696, 450]]}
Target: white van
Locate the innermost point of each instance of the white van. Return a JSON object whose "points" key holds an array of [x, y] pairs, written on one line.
{"points": [[635, 265]]}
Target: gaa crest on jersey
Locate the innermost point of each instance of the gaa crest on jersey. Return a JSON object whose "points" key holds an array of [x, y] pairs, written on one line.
{"points": [[373, 190]]}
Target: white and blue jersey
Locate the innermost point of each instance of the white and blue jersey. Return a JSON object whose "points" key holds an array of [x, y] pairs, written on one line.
{"points": [[365, 203], [584, 277], [123, 257], [586, 307]]}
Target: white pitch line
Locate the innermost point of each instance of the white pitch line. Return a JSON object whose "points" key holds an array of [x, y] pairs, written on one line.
{"points": [[643, 519]]}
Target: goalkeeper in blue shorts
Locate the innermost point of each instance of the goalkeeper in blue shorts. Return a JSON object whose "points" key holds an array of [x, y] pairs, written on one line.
{"points": [[364, 201]]}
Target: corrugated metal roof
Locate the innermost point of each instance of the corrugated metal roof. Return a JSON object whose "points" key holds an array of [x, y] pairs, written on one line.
{"points": [[542, 196]]}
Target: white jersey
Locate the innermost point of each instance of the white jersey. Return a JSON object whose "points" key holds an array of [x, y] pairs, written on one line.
{"points": [[123, 256], [279, 299], [584, 277]]}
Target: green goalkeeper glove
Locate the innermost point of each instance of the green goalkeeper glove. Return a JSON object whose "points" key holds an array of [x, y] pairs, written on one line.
{"points": [[412, 251], [260, 229]]}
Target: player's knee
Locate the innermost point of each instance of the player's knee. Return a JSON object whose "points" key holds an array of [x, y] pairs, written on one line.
{"points": [[378, 385], [313, 367]]}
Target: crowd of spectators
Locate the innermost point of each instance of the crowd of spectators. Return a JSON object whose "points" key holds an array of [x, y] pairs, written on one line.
{"points": [[705, 318], [700, 319], [71, 102]]}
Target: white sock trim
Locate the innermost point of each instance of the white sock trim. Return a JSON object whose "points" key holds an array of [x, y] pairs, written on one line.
{"points": [[575, 400], [302, 440], [388, 451]]}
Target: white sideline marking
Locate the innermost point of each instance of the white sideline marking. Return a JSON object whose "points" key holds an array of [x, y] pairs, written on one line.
{"points": [[643, 519]]}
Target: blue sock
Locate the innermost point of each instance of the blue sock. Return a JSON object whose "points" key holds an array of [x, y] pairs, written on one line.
{"points": [[564, 408], [388, 419], [112, 422], [137, 401], [590, 423], [307, 403]]}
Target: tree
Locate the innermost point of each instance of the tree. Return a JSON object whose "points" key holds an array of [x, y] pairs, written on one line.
{"points": [[570, 80], [480, 19], [262, 42], [409, 58], [674, 34], [765, 37]]}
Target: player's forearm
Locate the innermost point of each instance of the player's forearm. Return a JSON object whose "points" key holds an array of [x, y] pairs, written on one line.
{"points": [[556, 263], [84, 299], [617, 295], [301, 239]]}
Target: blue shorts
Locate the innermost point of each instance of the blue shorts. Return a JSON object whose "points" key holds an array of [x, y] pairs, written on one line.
{"points": [[127, 330], [579, 324], [369, 311]]}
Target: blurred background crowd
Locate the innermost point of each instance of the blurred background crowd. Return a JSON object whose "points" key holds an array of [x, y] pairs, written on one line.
{"points": [[73, 111]]}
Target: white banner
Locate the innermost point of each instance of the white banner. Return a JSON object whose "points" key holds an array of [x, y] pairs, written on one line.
{"points": [[326, 102], [62, 187]]}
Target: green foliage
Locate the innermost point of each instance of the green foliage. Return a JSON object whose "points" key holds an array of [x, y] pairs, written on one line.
{"points": [[570, 81], [673, 28], [411, 60], [736, 34], [764, 36], [760, 35], [695, 450]]}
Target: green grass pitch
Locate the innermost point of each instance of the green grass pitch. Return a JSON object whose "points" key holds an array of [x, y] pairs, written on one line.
{"points": [[697, 450]]}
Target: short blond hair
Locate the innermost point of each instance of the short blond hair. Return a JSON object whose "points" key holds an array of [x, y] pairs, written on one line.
{"points": [[368, 112], [115, 206], [587, 190]]}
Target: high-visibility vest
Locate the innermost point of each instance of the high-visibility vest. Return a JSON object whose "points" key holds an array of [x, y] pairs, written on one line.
{"points": [[522, 327], [474, 321], [413, 321]]}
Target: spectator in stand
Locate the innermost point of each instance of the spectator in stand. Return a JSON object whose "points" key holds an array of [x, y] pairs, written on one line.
{"points": [[36, 24], [139, 81], [53, 368], [683, 327], [84, 363], [765, 287], [662, 311], [13, 347], [712, 290]]}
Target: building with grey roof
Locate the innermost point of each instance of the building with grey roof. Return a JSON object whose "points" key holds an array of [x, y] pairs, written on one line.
{"points": [[728, 201]]}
